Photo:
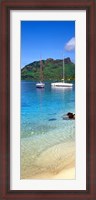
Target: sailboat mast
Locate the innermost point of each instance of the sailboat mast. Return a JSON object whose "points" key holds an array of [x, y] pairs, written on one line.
{"points": [[63, 67], [41, 70]]}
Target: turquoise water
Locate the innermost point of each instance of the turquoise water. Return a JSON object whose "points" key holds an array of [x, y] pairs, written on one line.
{"points": [[42, 109], [47, 140]]}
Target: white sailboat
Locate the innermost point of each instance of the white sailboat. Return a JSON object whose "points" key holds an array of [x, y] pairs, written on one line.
{"points": [[41, 84], [62, 84]]}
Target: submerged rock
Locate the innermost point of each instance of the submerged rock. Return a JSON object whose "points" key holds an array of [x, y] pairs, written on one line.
{"points": [[69, 115], [52, 119]]}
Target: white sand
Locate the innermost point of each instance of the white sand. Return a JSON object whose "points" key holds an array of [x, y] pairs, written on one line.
{"points": [[66, 174], [53, 162]]}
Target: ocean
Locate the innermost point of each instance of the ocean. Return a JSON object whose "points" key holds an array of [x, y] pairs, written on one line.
{"points": [[46, 138]]}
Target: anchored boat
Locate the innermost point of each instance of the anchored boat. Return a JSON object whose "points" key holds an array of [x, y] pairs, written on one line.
{"points": [[62, 84]]}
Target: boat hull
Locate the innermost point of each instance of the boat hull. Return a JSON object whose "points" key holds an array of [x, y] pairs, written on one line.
{"points": [[40, 85], [61, 85]]}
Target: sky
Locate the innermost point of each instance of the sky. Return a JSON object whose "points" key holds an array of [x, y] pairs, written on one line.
{"points": [[47, 39]]}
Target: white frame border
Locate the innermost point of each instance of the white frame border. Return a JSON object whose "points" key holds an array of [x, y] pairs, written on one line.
{"points": [[80, 61]]}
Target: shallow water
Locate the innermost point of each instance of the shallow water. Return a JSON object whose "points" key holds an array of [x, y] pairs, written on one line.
{"points": [[47, 141], [40, 106]]}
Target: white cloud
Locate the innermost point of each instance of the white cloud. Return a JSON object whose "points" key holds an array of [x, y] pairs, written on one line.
{"points": [[70, 45]]}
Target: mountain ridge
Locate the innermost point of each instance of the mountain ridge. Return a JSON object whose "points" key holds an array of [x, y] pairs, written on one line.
{"points": [[52, 70]]}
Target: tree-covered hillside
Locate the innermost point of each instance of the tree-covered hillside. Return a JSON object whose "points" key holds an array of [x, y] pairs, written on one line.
{"points": [[52, 70]]}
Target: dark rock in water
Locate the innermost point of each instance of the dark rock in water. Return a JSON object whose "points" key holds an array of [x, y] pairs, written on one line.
{"points": [[69, 115], [52, 119]]}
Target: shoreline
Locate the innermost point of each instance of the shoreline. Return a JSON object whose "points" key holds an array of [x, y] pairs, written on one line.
{"points": [[68, 174], [55, 162]]}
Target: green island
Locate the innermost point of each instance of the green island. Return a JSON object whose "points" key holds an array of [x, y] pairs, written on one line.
{"points": [[52, 70]]}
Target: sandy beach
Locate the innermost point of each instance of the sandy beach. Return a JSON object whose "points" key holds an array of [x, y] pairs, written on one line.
{"points": [[54, 162]]}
